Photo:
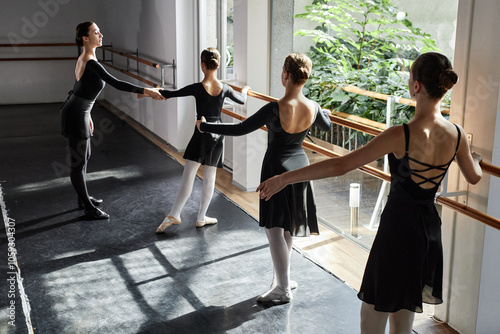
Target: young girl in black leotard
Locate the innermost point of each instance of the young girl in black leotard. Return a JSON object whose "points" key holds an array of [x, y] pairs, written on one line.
{"points": [[405, 265], [76, 121], [203, 149], [293, 211]]}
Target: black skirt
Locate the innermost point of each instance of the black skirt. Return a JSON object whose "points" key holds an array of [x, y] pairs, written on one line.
{"points": [[293, 208], [405, 266], [75, 117], [205, 148]]}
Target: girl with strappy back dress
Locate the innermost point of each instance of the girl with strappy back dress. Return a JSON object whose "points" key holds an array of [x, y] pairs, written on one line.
{"points": [[405, 265]]}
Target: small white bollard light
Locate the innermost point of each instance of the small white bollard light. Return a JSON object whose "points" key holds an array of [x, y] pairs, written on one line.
{"points": [[354, 200]]}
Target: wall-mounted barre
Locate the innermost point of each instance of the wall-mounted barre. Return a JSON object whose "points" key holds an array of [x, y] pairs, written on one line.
{"points": [[110, 49], [137, 59], [384, 97]]}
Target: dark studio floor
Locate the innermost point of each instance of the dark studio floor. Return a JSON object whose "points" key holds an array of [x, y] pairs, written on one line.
{"points": [[118, 276]]}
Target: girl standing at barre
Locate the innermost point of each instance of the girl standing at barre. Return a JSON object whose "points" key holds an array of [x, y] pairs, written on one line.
{"points": [[203, 148]]}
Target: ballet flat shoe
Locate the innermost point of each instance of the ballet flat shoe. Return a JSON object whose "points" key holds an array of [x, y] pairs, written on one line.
{"points": [[94, 201], [207, 221], [95, 214], [169, 220], [275, 298]]}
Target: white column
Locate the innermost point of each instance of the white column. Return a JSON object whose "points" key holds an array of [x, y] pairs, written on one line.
{"points": [[470, 248], [488, 320], [251, 56]]}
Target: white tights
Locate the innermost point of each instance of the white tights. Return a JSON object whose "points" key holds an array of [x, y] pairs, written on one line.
{"points": [[280, 245], [186, 188], [374, 322]]}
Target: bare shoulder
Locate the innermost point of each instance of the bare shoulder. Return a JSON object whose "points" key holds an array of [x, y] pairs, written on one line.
{"points": [[394, 137]]}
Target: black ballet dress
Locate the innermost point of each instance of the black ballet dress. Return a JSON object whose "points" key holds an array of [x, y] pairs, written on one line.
{"points": [[293, 208], [206, 148], [405, 265], [75, 112]]}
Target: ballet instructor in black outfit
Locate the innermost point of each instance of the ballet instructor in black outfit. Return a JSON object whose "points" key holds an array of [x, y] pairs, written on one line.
{"points": [[76, 121]]}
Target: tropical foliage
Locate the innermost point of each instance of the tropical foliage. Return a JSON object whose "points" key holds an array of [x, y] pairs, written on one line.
{"points": [[366, 43]]}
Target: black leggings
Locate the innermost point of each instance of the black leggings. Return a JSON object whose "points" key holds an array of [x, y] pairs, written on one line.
{"points": [[79, 151]]}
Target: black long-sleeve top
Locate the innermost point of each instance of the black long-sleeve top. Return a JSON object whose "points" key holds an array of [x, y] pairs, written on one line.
{"points": [[94, 79], [267, 115], [207, 105]]}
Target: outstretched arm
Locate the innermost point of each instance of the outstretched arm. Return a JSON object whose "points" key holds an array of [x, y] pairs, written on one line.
{"points": [[386, 142], [236, 97], [120, 84], [322, 120], [189, 90], [252, 123]]}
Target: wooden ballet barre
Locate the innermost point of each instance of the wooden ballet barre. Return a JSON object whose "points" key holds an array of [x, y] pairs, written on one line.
{"points": [[384, 97], [490, 169], [336, 117], [37, 59], [37, 45], [468, 211], [128, 55], [367, 169], [135, 76]]}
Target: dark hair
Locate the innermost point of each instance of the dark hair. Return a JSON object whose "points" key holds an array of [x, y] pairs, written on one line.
{"points": [[82, 30], [299, 66], [435, 72], [210, 57]]}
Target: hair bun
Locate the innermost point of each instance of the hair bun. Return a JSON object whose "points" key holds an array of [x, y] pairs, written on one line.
{"points": [[303, 73], [447, 78]]}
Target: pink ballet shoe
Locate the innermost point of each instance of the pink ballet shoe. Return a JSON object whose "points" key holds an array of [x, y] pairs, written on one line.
{"points": [[207, 221], [169, 220]]}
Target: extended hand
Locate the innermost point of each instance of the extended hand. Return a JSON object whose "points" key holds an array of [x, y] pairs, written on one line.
{"points": [[154, 93], [476, 157], [198, 122], [270, 187]]}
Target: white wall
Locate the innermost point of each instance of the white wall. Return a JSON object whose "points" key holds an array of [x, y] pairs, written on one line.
{"points": [[163, 31], [42, 21], [252, 65], [489, 302], [471, 250]]}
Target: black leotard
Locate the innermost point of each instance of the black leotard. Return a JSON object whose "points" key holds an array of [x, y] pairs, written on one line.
{"points": [[75, 113], [405, 266], [94, 79], [293, 208], [206, 148]]}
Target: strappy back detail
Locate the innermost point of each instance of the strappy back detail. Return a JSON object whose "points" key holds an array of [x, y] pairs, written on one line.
{"points": [[435, 180]]}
